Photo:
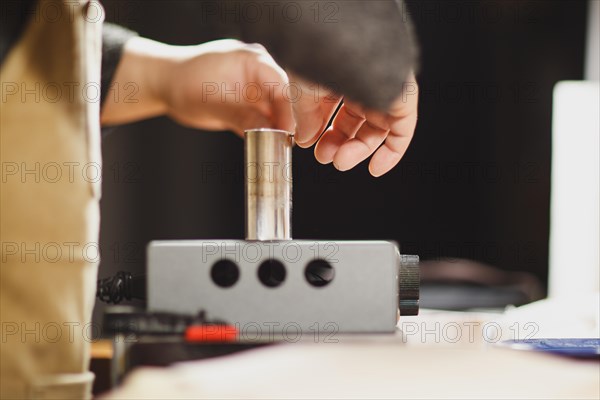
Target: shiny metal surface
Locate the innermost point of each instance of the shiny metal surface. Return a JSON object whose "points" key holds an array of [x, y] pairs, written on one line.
{"points": [[268, 180]]}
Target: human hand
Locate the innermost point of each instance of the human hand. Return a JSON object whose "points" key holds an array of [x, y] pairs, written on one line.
{"points": [[219, 85], [356, 132], [224, 85], [209, 86]]}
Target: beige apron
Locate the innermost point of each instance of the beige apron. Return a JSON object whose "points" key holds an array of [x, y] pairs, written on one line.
{"points": [[49, 193]]}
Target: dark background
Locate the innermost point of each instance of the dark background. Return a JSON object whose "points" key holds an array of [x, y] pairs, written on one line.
{"points": [[474, 184]]}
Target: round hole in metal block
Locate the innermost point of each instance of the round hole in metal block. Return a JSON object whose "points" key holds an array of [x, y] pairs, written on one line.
{"points": [[271, 273], [319, 273], [225, 273]]}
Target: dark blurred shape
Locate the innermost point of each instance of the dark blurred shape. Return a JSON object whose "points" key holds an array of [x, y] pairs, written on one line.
{"points": [[159, 352], [364, 50], [122, 286], [458, 284]]}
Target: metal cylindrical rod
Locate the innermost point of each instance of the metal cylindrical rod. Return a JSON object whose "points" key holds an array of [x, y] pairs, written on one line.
{"points": [[268, 176]]}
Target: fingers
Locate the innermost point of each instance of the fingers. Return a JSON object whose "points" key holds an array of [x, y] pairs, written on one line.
{"points": [[345, 125], [311, 119], [353, 137], [274, 106], [282, 116], [404, 113], [349, 118], [357, 134], [312, 111], [368, 138], [395, 145]]}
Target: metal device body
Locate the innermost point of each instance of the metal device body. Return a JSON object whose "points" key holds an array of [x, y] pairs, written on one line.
{"points": [[361, 296], [272, 283], [268, 175]]}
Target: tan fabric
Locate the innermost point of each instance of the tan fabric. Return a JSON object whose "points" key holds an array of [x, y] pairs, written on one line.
{"points": [[49, 215]]}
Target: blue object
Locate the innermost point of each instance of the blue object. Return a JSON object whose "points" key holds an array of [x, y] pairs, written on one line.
{"points": [[580, 348]]}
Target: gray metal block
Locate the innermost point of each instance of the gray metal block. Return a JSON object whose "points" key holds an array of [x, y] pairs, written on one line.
{"points": [[361, 297]]}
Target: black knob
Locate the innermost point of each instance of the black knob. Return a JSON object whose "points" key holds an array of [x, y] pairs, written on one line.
{"points": [[408, 285]]}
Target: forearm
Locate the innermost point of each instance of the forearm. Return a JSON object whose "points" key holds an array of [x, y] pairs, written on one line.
{"points": [[138, 85]]}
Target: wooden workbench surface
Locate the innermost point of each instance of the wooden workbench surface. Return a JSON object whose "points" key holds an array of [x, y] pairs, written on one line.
{"points": [[429, 362]]}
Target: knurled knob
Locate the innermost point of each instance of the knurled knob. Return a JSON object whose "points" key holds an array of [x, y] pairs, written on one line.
{"points": [[408, 285]]}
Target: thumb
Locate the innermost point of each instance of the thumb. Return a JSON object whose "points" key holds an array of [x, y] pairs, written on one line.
{"points": [[312, 111], [282, 116]]}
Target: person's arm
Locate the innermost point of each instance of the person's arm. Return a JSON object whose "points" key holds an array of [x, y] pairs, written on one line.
{"points": [[114, 38], [210, 86], [129, 94], [367, 55]]}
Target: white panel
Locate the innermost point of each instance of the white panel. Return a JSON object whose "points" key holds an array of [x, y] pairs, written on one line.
{"points": [[592, 56], [574, 219]]}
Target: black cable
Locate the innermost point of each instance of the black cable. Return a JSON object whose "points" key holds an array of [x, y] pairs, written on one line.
{"points": [[122, 286]]}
